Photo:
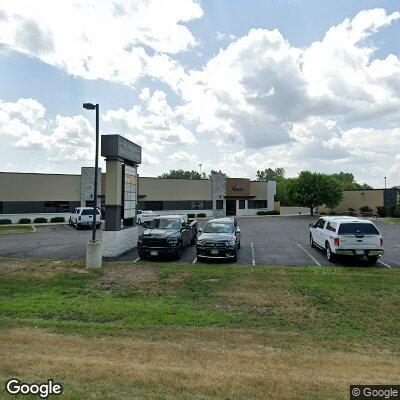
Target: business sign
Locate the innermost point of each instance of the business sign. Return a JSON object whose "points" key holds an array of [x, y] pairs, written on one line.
{"points": [[237, 187], [118, 146], [130, 192]]}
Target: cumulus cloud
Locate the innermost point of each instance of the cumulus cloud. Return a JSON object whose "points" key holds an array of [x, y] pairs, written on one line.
{"points": [[76, 36], [65, 138]]}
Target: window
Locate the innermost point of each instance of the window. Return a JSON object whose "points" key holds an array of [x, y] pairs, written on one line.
{"points": [[153, 205], [320, 223], [219, 227], [89, 212], [358, 228], [258, 204], [330, 227], [197, 205], [242, 204], [219, 204]]}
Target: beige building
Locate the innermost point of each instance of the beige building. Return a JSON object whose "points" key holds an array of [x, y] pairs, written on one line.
{"points": [[32, 193]]}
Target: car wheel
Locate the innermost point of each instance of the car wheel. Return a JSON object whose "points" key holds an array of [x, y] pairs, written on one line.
{"points": [[373, 259], [98, 226], [239, 246], [235, 257], [329, 255], [179, 251], [139, 221], [312, 244], [70, 221]]}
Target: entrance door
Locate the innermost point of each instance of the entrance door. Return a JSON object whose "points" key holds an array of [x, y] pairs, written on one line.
{"points": [[230, 207]]}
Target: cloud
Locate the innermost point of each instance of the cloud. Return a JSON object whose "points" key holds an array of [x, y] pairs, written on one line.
{"points": [[64, 138], [100, 39]]}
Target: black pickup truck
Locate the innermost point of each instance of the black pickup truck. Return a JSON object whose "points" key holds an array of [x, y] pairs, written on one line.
{"points": [[167, 235]]}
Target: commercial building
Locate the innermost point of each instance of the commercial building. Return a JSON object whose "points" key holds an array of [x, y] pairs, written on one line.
{"points": [[32, 193]]}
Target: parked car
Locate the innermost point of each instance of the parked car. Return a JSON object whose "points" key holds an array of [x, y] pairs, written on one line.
{"points": [[167, 235], [220, 238], [348, 236], [145, 216], [83, 216]]}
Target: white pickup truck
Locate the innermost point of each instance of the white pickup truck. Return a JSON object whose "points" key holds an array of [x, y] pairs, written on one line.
{"points": [[83, 216], [347, 236]]}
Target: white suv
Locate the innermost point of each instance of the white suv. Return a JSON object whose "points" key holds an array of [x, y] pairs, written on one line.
{"points": [[146, 216], [83, 216], [347, 236]]}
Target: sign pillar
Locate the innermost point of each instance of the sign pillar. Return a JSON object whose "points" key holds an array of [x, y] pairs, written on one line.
{"points": [[122, 158]]}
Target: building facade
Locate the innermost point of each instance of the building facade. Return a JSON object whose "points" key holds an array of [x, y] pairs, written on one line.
{"points": [[31, 193]]}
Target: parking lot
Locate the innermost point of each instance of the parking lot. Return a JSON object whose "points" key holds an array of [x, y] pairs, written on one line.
{"points": [[265, 240]]}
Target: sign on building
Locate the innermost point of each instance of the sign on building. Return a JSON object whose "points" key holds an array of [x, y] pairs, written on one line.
{"points": [[130, 192]]}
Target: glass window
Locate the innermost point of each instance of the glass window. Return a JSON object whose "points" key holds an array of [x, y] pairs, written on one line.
{"points": [[242, 204], [172, 224], [89, 212], [219, 227], [220, 204], [330, 227], [197, 205], [357, 228]]}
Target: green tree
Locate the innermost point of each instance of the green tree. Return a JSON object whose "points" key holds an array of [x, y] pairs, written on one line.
{"points": [[181, 174], [348, 181], [312, 189], [269, 174]]}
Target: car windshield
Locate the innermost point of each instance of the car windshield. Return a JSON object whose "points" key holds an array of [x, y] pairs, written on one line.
{"points": [[218, 227], [358, 228], [89, 212], [166, 224]]}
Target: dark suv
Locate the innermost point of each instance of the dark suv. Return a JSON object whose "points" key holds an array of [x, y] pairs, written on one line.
{"points": [[220, 238]]}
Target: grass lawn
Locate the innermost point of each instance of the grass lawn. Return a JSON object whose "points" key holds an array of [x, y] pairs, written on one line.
{"points": [[6, 229], [177, 331], [390, 219]]}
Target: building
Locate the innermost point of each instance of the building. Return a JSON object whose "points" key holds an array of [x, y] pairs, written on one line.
{"points": [[38, 194], [373, 198]]}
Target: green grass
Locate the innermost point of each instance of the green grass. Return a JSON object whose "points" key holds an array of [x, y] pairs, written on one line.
{"points": [[352, 303], [184, 331], [392, 220], [16, 229]]}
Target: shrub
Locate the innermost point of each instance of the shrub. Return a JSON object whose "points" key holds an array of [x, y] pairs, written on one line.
{"points": [[323, 213], [24, 221], [365, 209], [271, 212], [395, 211], [332, 213], [191, 215], [351, 209], [201, 215], [381, 212], [40, 220], [57, 219], [260, 212], [5, 221]]}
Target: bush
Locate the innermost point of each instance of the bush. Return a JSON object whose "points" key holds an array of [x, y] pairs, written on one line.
{"points": [[364, 209], [24, 221], [57, 219], [351, 209], [395, 211], [5, 221], [272, 212], [40, 220], [332, 213], [191, 215], [323, 213], [201, 215], [381, 212]]}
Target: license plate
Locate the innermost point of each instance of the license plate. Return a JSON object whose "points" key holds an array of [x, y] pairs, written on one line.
{"points": [[154, 252], [359, 252], [214, 252]]}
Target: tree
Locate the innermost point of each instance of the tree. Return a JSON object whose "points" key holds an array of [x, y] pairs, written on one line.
{"points": [[269, 174], [348, 181], [213, 171], [181, 174], [312, 189]]}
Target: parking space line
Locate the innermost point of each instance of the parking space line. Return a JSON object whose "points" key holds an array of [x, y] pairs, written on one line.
{"points": [[137, 259], [396, 245], [298, 244], [69, 226], [194, 261], [253, 261], [381, 262]]}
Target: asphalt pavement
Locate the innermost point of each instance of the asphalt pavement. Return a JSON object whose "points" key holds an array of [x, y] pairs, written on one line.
{"points": [[276, 240]]}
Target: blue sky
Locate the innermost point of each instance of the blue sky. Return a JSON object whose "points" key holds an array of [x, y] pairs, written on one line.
{"points": [[234, 85]]}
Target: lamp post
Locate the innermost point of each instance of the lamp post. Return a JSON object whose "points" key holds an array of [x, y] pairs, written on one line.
{"points": [[200, 165], [385, 181], [90, 106]]}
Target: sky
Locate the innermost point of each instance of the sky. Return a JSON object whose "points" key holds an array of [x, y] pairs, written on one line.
{"points": [[234, 85]]}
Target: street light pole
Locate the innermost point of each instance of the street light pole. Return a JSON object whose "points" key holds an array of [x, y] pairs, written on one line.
{"points": [[385, 181], [89, 106]]}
